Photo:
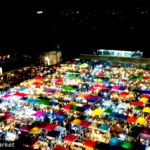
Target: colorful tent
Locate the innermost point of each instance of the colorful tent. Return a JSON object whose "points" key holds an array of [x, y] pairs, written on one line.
{"points": [[36, 130], [97, 112], [6, 95], [76, 122], [20, 94], [67, 106], [115, 142], [44, 102], [72, 103], [131, 119], [141, 120], [37, 84], [126, 145], [89, 144], [38, 114], [48, 90], [146, 96], [99, 80], [100, 75], [104, 127], [115, 87], [146, 109], [59, 148], [137, 103], [25, 128], [39, 78], [108, 111], [138, 108], [50, 127], [68, 88], [70, 138], [85, 123], [144, 100]]}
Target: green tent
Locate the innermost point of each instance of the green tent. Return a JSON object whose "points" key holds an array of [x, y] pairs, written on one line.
{"points": [[70, 76], [140, 77], [126, 145], [132, 78], [74, 107], [68, 88], [108, 111], [44, 102], [71, 71], [104, 127], [138, 108]]}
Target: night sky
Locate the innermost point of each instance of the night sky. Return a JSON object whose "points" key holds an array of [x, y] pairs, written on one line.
{"points": [[77, 26]]}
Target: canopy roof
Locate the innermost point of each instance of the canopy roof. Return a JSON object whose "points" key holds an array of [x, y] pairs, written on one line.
{"points": [[70, 138]]}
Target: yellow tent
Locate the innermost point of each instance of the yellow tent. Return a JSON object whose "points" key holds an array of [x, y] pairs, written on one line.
{"points": [[88, 148], [82, 95], [72, 103], [141, 70], [39, 81], [76, 122], [146, 109], [97, 112], [36, 130], [141, 120], [99, 80], [83, 65], [144, 100]]}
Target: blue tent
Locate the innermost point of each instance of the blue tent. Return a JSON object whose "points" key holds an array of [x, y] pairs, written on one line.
{"points": [[118, 116], [60, 118], [93, 100], [122, 88], [22, 89], [23, 98], [109, 87], [115, 142], [33, 101], [53, 104]]}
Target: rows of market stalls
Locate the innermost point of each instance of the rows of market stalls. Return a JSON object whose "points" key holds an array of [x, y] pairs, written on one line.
{"points": [[89, 106]]}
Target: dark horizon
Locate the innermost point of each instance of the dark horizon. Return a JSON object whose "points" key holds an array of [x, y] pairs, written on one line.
{"points": [[109, 25]]}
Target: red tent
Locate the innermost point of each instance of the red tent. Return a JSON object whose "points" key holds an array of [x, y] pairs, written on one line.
{"points": [[39, 78], [88, 97], [59, 148], [124, 93], [37, 84], [131, 119], [146, 78], [20, 94], [101, 86], [41, 124], [70, 138], [7, 116], [124, 80], [85, 123], [137, 103], [68, 106], [148, 118], [59, 81], [100, 75], [89, 143], [50, 127], [146, 96]]}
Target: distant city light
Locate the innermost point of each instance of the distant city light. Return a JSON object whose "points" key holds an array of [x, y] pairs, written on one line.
{"points": [[39, 12]]}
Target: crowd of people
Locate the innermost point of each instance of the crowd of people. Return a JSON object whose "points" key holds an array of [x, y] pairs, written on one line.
{"points": [[78, 105]]}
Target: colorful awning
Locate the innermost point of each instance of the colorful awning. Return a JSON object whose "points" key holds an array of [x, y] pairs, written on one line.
{"points": [[70, 138]]}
